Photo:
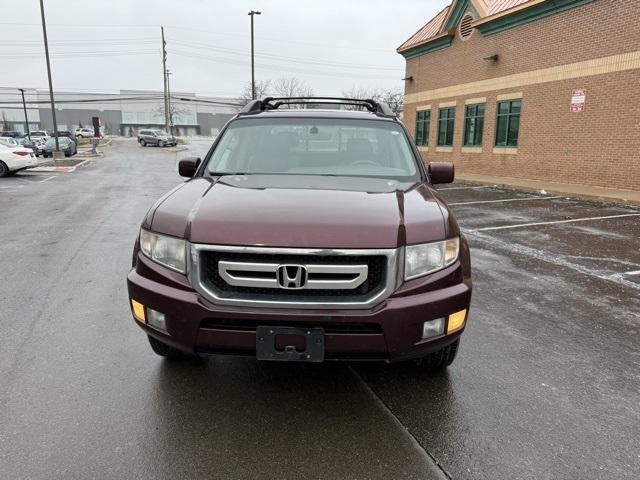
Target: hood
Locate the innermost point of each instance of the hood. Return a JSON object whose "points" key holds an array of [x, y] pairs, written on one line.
{"points": [[301, 211]]}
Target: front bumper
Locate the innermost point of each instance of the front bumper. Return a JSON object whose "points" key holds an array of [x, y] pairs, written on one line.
{"points": [[390, 331]]}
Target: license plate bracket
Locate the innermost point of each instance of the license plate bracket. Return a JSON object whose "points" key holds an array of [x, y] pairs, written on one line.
{"points": [[266, 344]]}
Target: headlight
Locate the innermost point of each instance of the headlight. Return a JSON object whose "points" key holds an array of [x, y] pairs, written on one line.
{"points": [[426, 258], [168, 251]]}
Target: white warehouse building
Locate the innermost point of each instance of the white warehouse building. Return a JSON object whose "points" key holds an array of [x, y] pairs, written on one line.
{"points": [[122, 113]]}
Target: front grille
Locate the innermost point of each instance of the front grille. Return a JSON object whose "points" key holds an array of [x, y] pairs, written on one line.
{"points": [[374, 283]]}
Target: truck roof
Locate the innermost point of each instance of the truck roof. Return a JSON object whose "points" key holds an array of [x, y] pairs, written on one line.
{"points": [[361, 108], [320, 113]]}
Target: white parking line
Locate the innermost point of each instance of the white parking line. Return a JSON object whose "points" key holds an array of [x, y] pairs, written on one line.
{"points": [[637, 272], [504, 200], [463, 188], [554, 258], [24, 179], [46, 179], [556, 222]]}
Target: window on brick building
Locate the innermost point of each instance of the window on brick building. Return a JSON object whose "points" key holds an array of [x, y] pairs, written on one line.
{"points": [[508, 123], [446, 124], [473, 125], [423, 122]]}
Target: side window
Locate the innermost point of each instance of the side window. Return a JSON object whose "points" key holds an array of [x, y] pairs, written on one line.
{"points": [[446, 124], [423, 122], [473, 125], [508, 123]]}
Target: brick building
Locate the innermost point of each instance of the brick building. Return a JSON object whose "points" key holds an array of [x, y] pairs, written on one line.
{"points": [[538, 89]]}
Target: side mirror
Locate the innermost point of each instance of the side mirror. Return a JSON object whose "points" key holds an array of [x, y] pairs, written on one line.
{"points": [[187, 166], [441, 172]]}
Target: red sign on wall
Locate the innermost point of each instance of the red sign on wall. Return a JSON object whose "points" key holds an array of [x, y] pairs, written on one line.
{"points": [[578, 100]]}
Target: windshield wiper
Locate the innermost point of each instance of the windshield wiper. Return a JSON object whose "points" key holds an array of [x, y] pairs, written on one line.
{"points": [[226, 174]]}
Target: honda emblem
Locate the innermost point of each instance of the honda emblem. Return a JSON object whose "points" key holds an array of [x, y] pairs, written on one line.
{"points": [[292, 277]]}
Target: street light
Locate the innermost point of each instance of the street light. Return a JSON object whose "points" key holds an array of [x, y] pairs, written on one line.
{"points": [[46, 52], [253, 77], [26, 118]]}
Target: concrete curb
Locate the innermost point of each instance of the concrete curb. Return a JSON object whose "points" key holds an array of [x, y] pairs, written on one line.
{"points": [[105, 144], [55, 169], [89, 155], [174, 149], [626, 197]]}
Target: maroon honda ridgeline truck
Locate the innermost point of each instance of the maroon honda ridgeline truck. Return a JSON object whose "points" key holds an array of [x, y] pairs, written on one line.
{"points": [[305, 235]]}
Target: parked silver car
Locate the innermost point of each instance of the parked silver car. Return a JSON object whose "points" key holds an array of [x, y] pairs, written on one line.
{"points": [[67, 145], [154, 136]]}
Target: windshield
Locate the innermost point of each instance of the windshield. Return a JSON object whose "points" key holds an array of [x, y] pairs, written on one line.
{"points": [[8, 141], [159, 133], [308, 146]]}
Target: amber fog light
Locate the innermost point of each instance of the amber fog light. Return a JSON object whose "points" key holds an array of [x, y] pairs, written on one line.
{"points": [[156, 319], [456, 321], [433, 328], [138, 311]]}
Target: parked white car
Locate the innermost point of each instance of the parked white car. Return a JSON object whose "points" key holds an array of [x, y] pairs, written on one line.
{"points": [[9, 142], [84, 132], [13, 159], [39, 135]]}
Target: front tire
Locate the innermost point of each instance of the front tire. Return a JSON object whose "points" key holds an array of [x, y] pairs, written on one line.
{"points": [[143, 143], [440, 359], [161, 143]]}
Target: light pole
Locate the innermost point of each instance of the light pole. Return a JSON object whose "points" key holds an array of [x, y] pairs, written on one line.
{"points": [[253, 75], [170, 132], [26, 118], [165, 77], [46, 52]]}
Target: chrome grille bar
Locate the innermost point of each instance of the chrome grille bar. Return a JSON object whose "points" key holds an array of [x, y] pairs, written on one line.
{"points": [[199, 281], [333, 275]]}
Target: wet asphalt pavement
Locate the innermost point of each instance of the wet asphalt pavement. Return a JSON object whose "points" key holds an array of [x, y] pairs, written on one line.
{"points": [[546, 384]]}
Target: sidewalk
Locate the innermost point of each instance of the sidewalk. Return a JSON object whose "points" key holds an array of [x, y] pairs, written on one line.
{"points": [[570, 189]]}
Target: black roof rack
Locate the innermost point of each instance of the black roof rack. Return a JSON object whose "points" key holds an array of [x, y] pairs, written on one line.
{"points": [[273, 103]]}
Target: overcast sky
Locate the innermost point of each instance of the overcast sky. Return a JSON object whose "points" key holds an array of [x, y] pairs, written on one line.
{"points": [[108, 45]]}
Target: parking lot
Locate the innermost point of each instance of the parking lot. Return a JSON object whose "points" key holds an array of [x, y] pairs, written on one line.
{"points": [[546, 384], [24, 179]]}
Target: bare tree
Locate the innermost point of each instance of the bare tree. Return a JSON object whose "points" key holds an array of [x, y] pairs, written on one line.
{"points": [[394, 97], [291, 87], [361, 93], [174, 112], [263, 88], [282, 87]]}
